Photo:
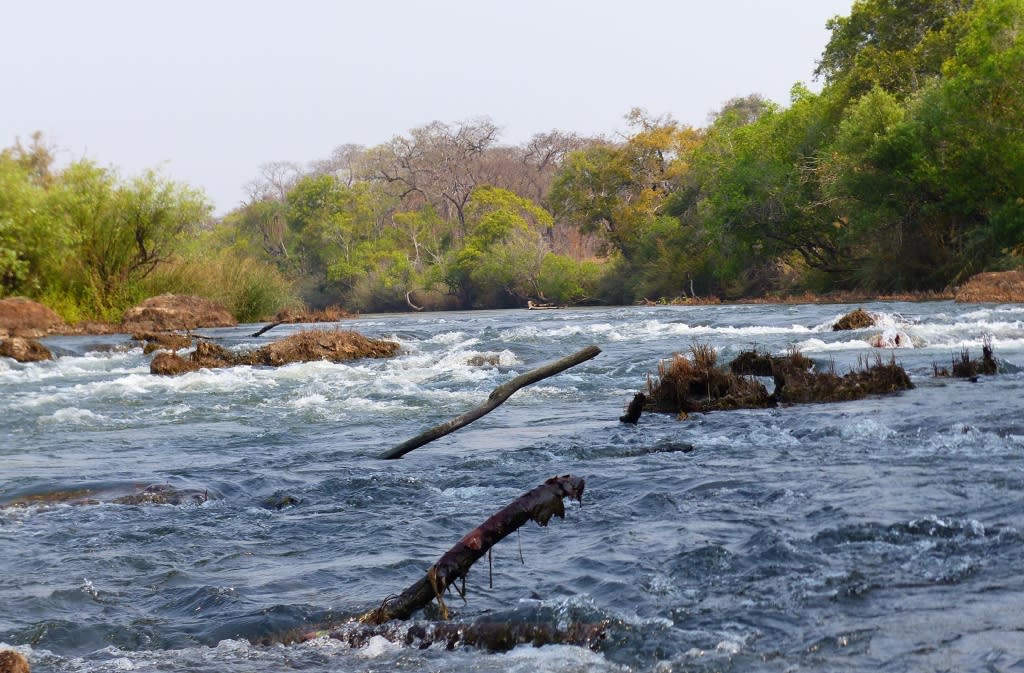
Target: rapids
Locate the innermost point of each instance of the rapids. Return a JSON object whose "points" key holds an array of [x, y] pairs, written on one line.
{"points": [[877, 535]]}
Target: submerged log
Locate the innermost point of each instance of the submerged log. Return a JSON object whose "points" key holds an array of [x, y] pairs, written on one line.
{"points": [[539, 505], [266, 328], [491, 636], [494, 400]]}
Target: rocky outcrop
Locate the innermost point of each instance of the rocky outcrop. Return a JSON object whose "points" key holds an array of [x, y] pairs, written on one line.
{"points": [[24, 350], [1006, 287], [23, 317], [307, 346], [332, 345], [169, 312]]}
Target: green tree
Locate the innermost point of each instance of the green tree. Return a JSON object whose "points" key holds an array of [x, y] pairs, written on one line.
{"points": [[33, 245], [500, 260]]}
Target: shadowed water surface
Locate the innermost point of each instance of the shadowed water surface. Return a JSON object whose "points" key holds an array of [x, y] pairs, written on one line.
{"points": [[878, 535]]}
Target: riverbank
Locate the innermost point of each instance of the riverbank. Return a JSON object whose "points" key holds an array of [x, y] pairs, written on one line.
{"points": [[21, 317]]}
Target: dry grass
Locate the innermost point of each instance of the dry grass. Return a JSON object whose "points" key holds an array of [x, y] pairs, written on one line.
{"points": [[965, 368], [996, 286]]}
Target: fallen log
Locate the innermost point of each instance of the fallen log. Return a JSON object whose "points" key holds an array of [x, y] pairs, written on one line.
{"points": [[539, 505], [266, 328], [494, 400]]}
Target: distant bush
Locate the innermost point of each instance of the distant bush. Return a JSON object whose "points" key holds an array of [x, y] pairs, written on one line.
{"points": [[252, 290]]}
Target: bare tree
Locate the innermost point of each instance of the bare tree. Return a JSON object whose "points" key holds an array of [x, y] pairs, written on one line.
{"points": [[343, 164], [274, 181], [437, 164]]}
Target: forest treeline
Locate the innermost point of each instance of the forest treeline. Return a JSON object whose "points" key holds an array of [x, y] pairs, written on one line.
{"points": [[905, 173]]}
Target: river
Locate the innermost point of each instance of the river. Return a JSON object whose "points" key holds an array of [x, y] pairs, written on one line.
{"points": [[877, 535]]}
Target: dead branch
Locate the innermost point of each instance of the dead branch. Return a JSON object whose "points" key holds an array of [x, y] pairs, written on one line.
{"points": [[496, 398], [539, 504], [267, 328]]}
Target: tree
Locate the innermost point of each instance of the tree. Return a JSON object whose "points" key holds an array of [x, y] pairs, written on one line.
{"points": [[500, 260], [896, 45], [33, 245], [438, 164], [122, 231]]}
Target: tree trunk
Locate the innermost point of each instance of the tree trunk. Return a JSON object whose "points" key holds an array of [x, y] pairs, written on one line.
{"points": [[540, 505], [496, 398]]}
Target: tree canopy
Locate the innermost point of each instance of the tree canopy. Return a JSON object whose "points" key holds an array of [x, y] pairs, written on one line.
{"points": [[905, 171]]}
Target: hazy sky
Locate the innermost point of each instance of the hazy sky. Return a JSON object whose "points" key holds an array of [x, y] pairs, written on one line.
{"points": [[207, 90]]}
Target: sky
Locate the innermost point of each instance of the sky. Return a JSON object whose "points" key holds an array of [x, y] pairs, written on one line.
{"points": [[206, 91]]}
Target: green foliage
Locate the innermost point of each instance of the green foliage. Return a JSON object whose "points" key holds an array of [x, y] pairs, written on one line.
{"points": [[31, 242], [499, 261], [905, 172], [563, 280], [81, 237], [898, 46]]}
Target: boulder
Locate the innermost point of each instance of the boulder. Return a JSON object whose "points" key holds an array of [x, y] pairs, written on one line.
{"points": [[206, 356], [996, 286], [155, 341], [169, 312], [332, 345], [13, 662], [26, 318], [24, 350]]}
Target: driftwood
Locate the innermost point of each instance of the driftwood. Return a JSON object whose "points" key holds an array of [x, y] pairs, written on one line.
{"points": [[494, 400], [540, 505], [635, 408], [266, 328]]}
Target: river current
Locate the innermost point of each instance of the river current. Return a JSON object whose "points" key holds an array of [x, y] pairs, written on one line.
{"points": [[885, 534]]}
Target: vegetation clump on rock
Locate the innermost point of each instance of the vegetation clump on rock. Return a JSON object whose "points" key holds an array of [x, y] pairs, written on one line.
{"points": [[332, 345], [13, 662], [696, 384], [964, 367], [854, 320]]}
